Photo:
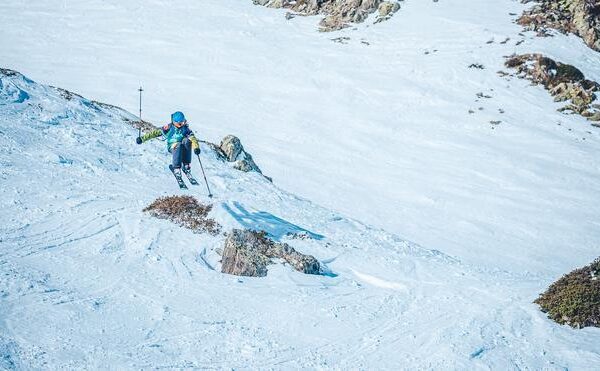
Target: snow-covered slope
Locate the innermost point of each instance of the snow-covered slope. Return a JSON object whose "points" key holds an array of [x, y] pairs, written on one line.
{"points": [[89, 281], [377, 129], [384, 127]]}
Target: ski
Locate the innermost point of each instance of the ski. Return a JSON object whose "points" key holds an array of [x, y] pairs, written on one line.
{"points": [[190, 177], [178, 178]]}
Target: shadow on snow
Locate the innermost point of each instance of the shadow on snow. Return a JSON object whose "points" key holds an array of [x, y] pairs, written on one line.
{"points": [[262, 220]]}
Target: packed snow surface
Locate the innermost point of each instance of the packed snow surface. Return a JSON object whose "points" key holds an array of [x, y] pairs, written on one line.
{"points": [[370, 144]]}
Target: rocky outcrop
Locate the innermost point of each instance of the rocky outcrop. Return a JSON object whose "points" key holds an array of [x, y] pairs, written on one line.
{"points": [[580, 17], [564, 82], [233, 151], [247, 253], [185, 211], [575, 298], [338, 13]]}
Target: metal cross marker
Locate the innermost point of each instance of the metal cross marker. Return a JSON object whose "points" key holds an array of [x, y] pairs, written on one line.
{"points": [[140, 90]]}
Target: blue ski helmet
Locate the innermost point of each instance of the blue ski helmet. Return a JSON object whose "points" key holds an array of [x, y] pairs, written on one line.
{"points": [[178, 117]]}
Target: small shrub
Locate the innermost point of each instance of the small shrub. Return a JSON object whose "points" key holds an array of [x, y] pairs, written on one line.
{"points": [[185, 211], [575, 298]]}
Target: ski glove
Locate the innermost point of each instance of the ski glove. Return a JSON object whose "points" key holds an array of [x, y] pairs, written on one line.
{"points": [[197, 150], [138, 140]]}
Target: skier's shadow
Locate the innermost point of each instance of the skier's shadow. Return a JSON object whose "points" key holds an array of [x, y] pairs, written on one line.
{"points": [[262, 220]]}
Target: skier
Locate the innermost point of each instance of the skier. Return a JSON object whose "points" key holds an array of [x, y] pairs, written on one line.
{"points": [[180, 142]]}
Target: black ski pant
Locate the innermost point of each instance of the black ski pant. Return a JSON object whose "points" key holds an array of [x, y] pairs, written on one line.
{"points": [[182, 153]]}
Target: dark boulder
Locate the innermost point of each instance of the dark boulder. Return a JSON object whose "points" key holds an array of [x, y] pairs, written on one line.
{"points": [[247, 253]]}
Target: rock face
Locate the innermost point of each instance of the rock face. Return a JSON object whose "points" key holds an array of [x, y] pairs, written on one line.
{"points": [[564, 82], [338, 13], [247, 253], [233, 151], [581, 17]]}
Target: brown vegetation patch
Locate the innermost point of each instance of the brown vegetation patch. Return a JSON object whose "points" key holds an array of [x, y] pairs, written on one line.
{"points": [[575, 298], [185, 211]]}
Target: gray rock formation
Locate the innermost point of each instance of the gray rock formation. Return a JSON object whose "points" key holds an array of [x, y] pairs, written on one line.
{"points": [[338, 13], [233, 151], [564, 82], [247, 253], [580, 17]]}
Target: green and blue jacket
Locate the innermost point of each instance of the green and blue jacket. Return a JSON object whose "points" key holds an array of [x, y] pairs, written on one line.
{"points": [[173, 135]]}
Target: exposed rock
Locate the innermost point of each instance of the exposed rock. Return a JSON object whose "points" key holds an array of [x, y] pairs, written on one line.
{"points": [[68, 95], [233, 151], [8, 73], [244, 254], [575, 298], [338, 13], [580, 17], [141, 124], [386, 10], [232, 147], [185, 211], [247, 253], [564, 82]]}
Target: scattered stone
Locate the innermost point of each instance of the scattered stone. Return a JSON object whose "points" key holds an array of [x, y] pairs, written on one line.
{"points": [[477, 65], [302, 235], [341, 40], [580, 17], [247, 253], [185, 211], [575, 298]]}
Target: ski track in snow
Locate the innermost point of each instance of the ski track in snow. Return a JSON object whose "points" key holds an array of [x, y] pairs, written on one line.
{"points": [[89, 281]]}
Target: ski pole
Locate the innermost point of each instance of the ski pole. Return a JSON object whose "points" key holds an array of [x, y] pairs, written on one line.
{"points": [[204, 175]]}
